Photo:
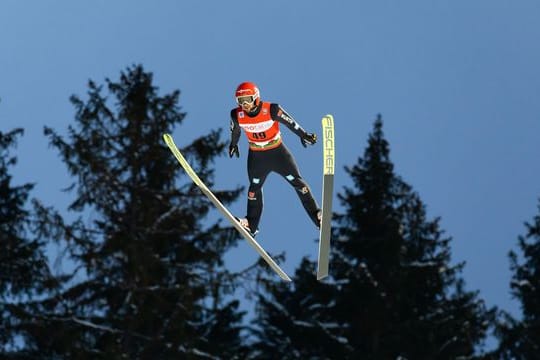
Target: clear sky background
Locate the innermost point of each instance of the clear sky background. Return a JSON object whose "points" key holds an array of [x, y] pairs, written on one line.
{"points": [[457, 83]]}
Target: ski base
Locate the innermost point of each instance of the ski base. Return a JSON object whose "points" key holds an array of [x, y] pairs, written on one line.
{"points": [[327, 195]]}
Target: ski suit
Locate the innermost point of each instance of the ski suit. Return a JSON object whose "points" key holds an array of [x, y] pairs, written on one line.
{"points": [[268, 153]]}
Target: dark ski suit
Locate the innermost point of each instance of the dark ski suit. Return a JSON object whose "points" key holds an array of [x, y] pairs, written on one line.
{"points": [[268, 153]]}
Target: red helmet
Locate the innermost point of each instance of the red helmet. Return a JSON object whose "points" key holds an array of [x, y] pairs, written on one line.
{"points": [[247, 92]]}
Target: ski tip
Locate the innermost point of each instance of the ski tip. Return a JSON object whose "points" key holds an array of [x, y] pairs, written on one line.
{"points": [[167, 137], [328, 121], [321, 276]]}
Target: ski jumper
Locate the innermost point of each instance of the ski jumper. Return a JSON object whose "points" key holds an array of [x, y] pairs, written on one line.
{"points": [[268, 153]]}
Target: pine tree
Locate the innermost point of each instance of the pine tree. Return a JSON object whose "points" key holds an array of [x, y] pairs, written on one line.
{"points": [[24, 272], [520, 339], [295, 321], [148, 279], [392, 291]]}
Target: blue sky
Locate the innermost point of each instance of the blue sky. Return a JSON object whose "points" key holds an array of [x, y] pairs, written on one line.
{"points": [[457, 84]]}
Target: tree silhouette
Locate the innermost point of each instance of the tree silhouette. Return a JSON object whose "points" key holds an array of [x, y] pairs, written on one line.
{"points": [[520, 339], [148, 279], [392, 292], [24, 273]]}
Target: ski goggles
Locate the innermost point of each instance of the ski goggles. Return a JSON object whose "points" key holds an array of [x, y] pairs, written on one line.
{"points": [[245, 99]]}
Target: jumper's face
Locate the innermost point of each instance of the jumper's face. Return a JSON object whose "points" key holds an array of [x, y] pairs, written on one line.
{"points": [[246, 102]]}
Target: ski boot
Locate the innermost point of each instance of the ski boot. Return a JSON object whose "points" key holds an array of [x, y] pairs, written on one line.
{"points": [[316, 217], [245, 224]]}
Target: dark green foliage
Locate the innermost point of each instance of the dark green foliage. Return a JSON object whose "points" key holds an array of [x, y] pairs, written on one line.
{"points": [[520, 339], [299, 323], [24, 273], [393, 291], [148, 280]]}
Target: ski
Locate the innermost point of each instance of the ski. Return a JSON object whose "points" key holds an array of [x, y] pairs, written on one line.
{"points": [[327, 194], [224, 211]]}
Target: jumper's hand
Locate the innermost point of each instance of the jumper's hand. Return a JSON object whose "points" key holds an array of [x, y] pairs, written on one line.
{"points": [[233, 150], [308, 139]]}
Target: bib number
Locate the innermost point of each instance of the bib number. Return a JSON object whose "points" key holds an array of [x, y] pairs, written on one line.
{"points": [[259, 136]]}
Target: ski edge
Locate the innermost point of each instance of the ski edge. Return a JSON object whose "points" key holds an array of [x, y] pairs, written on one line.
{"points": [[326, 227]]}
